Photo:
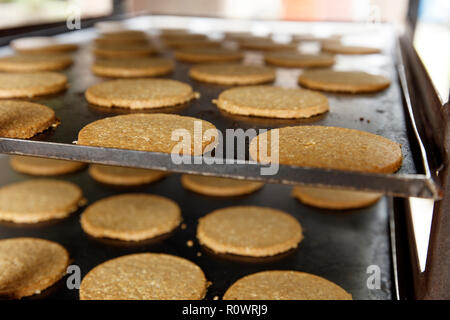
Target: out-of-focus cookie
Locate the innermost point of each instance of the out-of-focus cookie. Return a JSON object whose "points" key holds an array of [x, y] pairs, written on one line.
{"points": [[34, 63], [27, 85], [272, 102], [219, 187], [123, 176], [122, 37], [232, 74], [203, 55], [132, 68], [294, 59], [149, 132], [339, 48], [131, 217], [43, 166], [38, 200], [22, 119], [343, 81], [120, 51], [285, 285], [140, 93], [335, 199], [266, 44], [249, 231], [41, 46], [30, 265], [330, 148], [144, 276], [194, 43]]}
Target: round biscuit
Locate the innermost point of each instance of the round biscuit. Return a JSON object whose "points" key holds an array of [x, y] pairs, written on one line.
{"points": [[249, 231], [207, 55], [144, 276], [124, 176], [34, 63], [132, 68], [272, 102], [293, 59], [44, 166], [285, 285], [28, 85]]}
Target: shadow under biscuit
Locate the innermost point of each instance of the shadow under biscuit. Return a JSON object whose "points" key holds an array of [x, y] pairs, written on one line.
{"points": [[123, 110], [247, 259], [131, 244], [270, 122]]}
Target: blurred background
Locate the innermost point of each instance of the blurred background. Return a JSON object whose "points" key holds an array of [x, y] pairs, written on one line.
{"points": [[427, 20]]}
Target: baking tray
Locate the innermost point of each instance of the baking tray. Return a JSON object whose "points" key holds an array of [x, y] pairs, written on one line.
{"points": [[338, 246], [386, 113]]}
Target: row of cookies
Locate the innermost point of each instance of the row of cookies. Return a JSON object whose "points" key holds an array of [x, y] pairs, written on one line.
{"points": [[134, 217], [145, 276]]}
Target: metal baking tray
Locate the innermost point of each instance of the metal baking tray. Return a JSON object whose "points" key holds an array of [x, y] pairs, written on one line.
{"points": [[386, 113], [338, 246]]}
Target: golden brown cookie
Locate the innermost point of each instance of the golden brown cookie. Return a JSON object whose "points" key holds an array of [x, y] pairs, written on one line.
{"points": [[52, 49], [129, 68], [43, 166], [123, 176], [120, 51], [343, 81], [38, 200], [144, 276], [337, 47], [294, 59], [232, 74], [266, 45], [202, 55], [30, 265], [219, 187], [335, 199], [33, 63], [122, 37], [27, 85], [148, 132], [249, 231], [285, 285], [22, 119], [131, 217], [331, 148], [272, 102], [140, 93], [197, 43]]}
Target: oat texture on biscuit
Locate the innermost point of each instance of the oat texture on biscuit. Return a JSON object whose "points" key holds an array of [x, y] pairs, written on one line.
{"points": [[329, 147], [249, 231], [120, 51], [29, 266], [34, 63], [336, 47], [43, 166], [140, 93], [27, 85], [285, 285], [207, 55], [132, 68], [343, 81], [334, 199], [38, 200], [131, 217], [150, 132], [124, 176], [272, 102], [232, 74], [219, 187], [22, 119], [294, 59], [144, 276]]}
